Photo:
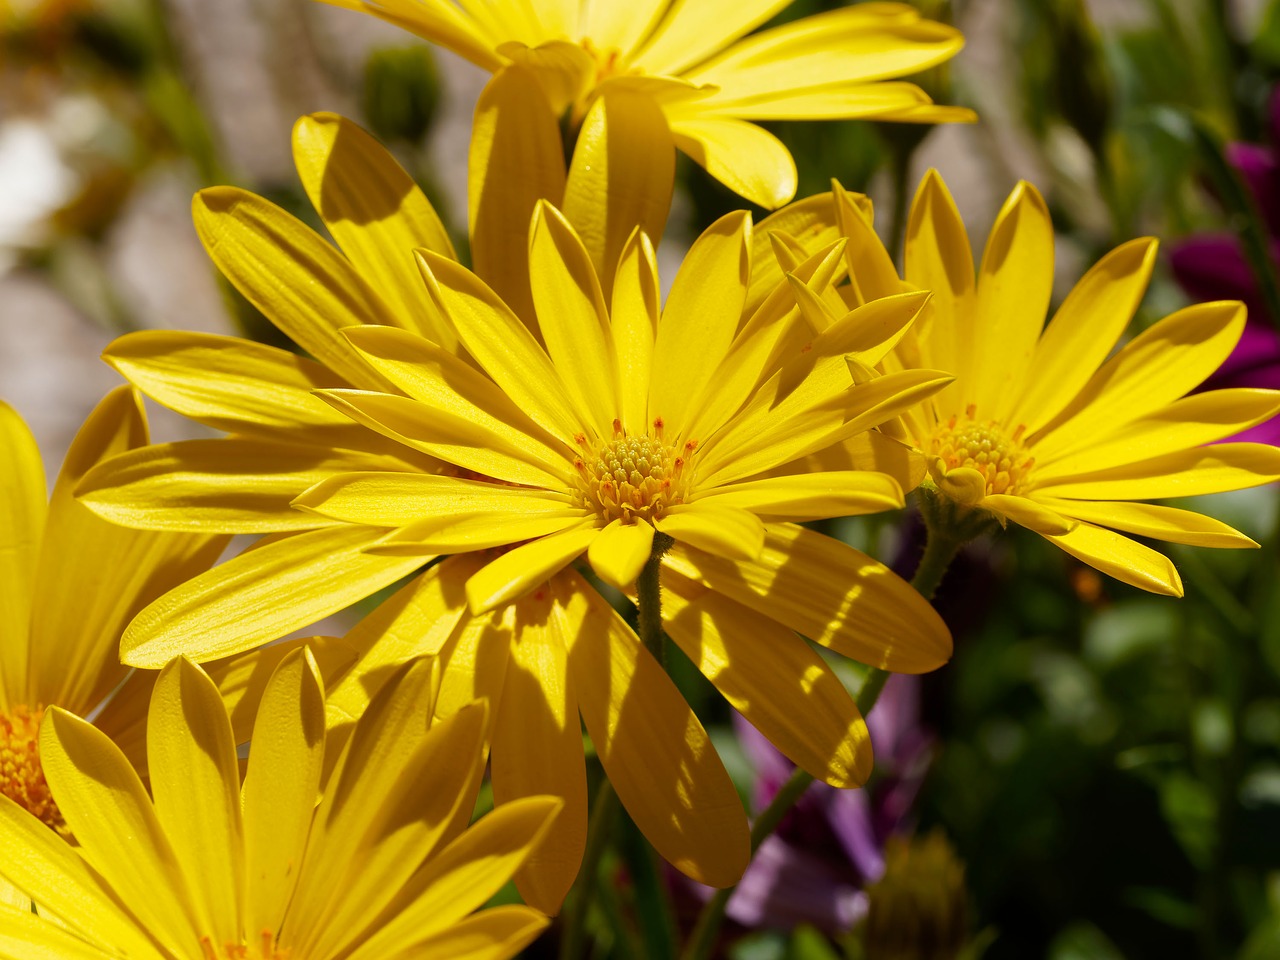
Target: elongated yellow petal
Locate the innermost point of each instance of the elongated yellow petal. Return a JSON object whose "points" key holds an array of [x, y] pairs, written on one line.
{"points": [[870, 452], [747, 159], [615, 26], [1190, 422], [493, 934], [1029, 513], [811, 496], [22, 513], [516, 572], [1084, 330], [438, 21], [38, 860], [727, 531], [811, 222], [620, 551], [1187, 473], [1015, 282], [375, 212], [701, 317], [572, 317], [233, 384], [1122, 558], [663, 767], [621, 176], [111, 816], [281, 785], [1154, 520], [217, 486], [502, 345], [1158, 366], [773, 678], [830, 593], [195, 780], [466, 874], [486, 445], [871, 271], [516, 160], [537, 749], [564, 70], [454, 532], [25, 936], [265, 593], [690, 31], [473, 661], [301, 283], [93, 576], [634, 324]]}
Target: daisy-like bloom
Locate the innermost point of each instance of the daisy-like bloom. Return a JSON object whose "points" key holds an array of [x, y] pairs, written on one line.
{"points": [[1045, 427], [383, 865], [69, 583], [542, 646], [636, 81]]}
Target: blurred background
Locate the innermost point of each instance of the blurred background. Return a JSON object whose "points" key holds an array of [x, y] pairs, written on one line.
{"points": [[1097, 774]]}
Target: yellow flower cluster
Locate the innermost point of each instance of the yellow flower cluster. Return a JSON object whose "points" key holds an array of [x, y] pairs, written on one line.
{"points": [[522, 450]]}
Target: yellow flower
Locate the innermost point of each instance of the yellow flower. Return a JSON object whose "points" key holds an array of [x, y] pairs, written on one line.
{"points": [[696, 64], [1045, 427], [69, 583], [383, 865], [559, 650]]}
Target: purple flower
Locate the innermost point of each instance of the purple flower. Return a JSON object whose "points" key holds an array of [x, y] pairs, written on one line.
{"points": [[1213, 267], [815, 866]]}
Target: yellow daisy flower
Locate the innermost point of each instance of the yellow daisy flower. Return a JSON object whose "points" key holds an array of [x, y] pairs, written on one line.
{"points": [[1047, 427], [559, 651], [69, 583], [695, 64], [205, 868]]}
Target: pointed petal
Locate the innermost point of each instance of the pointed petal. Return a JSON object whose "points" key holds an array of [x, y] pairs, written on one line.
{"points": [[655, 752], [25, 936], [620, 551], [1187, 473], [811, 496], [516, 572], [494, 934], [22, 515], [730, 532], [634, 324], [1122, 558], [1028, 513], [1156, 521]]}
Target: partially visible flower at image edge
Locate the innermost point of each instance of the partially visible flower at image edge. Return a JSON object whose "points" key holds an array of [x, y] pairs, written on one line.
{"points": [[384, 865]]}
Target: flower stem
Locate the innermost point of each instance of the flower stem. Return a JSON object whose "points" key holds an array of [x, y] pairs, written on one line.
{"points": [[649, 599], [603, 814], [940, 549]]}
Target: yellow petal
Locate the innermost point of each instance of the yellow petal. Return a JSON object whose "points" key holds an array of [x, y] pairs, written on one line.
{"points": [[301, 283], [1122, 558], [195, 779], [483, 444], [620, 551], [111, 816], [747, 159], [502, 345], [1156, 521], [465, 875], [438, 21], [516, 160], [1187, 473], [634, 325], [1015, 282], [516, 572], [375, 212], [621, 176], [233, 384], [537, 749], [453, 532], [25, 936], [700, 318], [810, 222], [264, 593], [730, 532], [217, 486], [493, 934], [811, 496], [617, 26], [1084, 330], [830, 593], [1031, 514], [692, 30], [871, 271], [872, 452], [22, 513], [773, 678], [655, 752], [572, 317], [281, 785], [1158, 366]]}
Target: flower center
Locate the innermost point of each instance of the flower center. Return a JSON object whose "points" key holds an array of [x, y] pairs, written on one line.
{"points": [[630, 477], [21, 776], [609, 61], [265, 949], [985, 447]]}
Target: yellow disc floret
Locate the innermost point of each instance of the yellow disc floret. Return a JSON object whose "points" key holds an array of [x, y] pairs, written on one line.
{"points": [[984, 446], [21, 776], [266, 949], [632, 477]]}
